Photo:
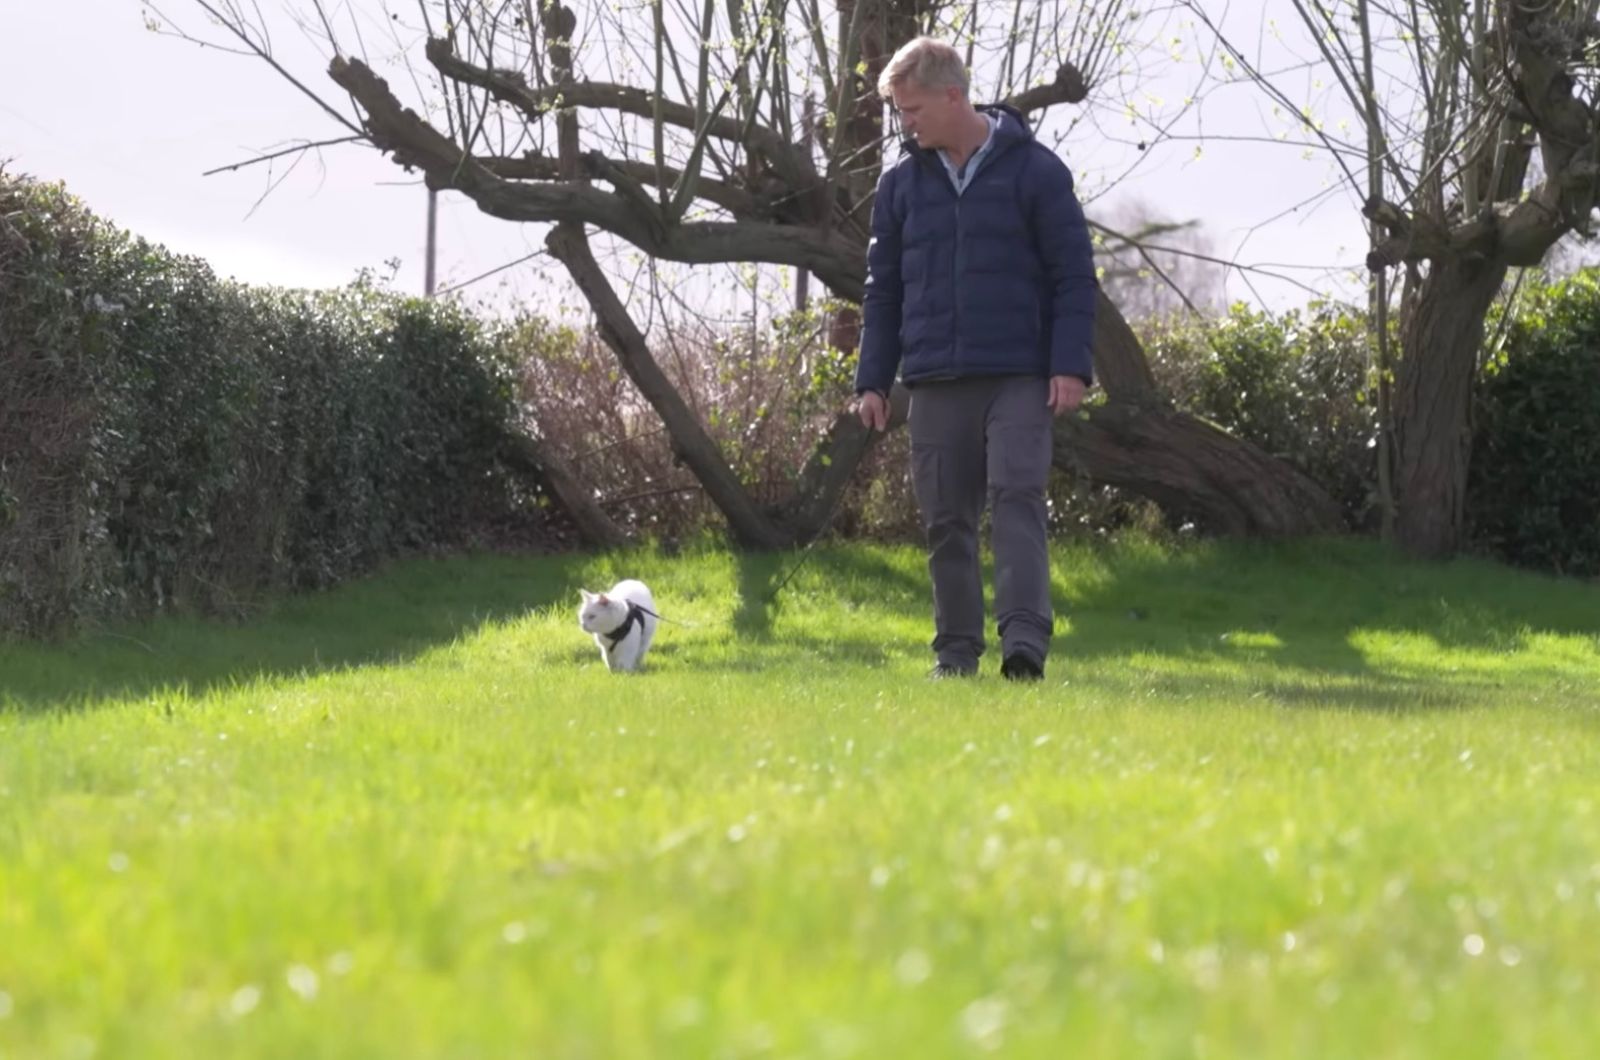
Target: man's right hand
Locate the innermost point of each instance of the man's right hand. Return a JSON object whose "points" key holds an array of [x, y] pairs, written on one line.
{"points": [[873, 410]]}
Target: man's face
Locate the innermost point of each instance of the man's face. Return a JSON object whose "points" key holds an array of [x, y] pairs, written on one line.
{"points": [[928, 115]]}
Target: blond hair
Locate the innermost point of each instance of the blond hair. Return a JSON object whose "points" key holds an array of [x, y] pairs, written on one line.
{"points": [[926, 62]]}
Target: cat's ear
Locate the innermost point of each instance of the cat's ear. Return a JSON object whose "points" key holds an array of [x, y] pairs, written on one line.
{"points": [[588, 597], [602, 599]]}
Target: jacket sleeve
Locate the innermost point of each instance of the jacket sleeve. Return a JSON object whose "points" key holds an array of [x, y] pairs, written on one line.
{"points": [[1062, 238], [880, 305]]}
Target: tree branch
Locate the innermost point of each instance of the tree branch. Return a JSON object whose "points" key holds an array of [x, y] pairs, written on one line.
{"points": [[286, 151], [833, 257], [1068, 87], [509, 86], [1387, 214], [234, 23], [529, 455], [532, 165]]}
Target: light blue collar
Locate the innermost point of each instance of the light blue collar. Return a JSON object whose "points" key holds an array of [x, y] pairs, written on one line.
{"points": [[963, 177]]}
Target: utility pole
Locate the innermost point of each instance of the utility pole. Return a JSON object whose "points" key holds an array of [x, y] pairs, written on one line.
{"points": [[433, 228]]}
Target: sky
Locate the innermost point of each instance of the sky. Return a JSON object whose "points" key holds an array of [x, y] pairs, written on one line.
{"points": [[130, 120]]}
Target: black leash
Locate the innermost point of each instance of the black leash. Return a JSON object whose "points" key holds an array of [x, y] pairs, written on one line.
{"points": [[634, 611]]}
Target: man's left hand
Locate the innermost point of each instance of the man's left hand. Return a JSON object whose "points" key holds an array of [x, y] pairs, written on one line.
{"points": [[1066, 393]]}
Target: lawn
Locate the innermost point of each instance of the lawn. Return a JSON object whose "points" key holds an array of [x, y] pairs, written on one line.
{"points": [[1291, 801]]}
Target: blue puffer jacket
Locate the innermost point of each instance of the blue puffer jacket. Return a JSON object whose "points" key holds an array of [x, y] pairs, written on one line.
{"points": [[997, 281]]}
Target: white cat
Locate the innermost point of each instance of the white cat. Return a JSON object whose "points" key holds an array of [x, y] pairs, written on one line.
{"points": [[623, 620]]}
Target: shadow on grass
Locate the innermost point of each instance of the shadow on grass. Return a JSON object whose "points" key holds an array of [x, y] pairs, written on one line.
{"points": [[757, 606], [790, 649], [862, 576], [1271, 621], [414, 606], [1298, 607], [1288, 613], [1374, 692], [776, 652]]}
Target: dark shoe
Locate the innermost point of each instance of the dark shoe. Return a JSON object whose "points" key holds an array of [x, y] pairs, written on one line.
{"points": [[1020, 666], [944, 671]]}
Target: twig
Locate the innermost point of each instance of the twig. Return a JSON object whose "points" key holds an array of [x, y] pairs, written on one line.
{"points": [[280, 154], [485, 275]]}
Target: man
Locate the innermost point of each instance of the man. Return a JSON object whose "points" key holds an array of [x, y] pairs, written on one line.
{"points": [[981, 291]]}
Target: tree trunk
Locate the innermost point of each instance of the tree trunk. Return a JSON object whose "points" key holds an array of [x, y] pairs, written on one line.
{"points": [[1194, 468], [530, 457], [832, 465], [880, 28], [751, 526], [1440, 339], [1137, 441]]}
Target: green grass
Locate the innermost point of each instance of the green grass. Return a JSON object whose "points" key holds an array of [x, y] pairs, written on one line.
{"points": [[1300, 801]]}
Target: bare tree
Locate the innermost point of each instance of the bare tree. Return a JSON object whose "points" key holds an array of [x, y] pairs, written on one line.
{"points": [[1152, 266], [1479, 155], [684, 130]]}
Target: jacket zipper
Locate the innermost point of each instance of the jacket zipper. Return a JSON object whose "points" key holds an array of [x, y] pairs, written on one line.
{"points": [[955, 288], [937, 168]]}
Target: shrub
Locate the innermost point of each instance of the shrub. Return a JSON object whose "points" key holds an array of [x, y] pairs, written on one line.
{"points": [[172, 437], [1298, 384], [1532, 497]]}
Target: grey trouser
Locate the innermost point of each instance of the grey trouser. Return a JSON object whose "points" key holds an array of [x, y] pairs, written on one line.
{"points": [[968, 437]]}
